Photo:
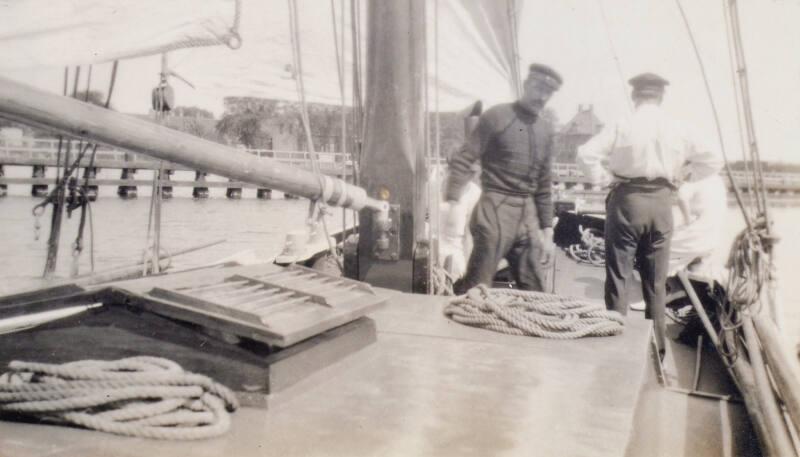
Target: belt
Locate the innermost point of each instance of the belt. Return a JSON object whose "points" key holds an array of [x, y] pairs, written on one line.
{"points": [[645, 182], [506, 192]]}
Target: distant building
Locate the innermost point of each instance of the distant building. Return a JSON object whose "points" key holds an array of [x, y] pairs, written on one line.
{"points": [[584, 125]]}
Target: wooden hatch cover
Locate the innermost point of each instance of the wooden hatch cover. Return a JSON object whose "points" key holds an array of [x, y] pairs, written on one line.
{"points": [[279, 307]]}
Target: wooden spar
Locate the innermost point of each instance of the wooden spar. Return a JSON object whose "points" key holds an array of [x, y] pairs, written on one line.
{"points": [[739, 369], [779, 443], [782, 366], [26, 104]]}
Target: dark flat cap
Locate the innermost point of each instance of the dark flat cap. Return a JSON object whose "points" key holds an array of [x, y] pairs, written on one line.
{"points": [[546, 74], [648, 81]]}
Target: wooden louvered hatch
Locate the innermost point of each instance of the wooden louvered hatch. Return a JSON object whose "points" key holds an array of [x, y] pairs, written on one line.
{"points": [[279, 306]]}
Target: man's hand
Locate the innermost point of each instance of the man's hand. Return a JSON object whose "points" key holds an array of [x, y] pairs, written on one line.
{"points": [[548, 247]]}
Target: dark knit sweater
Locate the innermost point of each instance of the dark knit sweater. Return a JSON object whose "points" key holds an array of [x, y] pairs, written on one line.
{"points": [[515, 150]]}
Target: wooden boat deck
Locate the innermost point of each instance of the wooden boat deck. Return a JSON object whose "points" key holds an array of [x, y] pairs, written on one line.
{"points": [[428, 386]]}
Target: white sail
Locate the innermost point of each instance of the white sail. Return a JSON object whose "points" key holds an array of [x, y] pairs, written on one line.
{"points": [[470, 53], [37, 33]]}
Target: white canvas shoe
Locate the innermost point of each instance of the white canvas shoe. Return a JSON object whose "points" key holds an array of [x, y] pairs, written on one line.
{"points": [[637, 305]]}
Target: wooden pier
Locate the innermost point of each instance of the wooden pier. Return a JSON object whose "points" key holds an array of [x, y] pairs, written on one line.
{"points": [[42, 153], [569, 176]]}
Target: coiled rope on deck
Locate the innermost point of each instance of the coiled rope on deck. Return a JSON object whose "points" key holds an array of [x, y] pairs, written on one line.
{"points": [[145, 397], [527, 313]]}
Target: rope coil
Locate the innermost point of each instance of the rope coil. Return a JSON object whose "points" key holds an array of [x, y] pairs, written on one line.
{"points": [[591, 249], [528, 313], [145, 397]]}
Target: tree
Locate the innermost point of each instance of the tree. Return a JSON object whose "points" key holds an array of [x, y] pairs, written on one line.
{"points": [[192, 111], [199, 127], [244, 128]]}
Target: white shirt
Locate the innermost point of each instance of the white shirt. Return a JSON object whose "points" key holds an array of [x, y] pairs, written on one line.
{"points": [[702, 233], [647, 145]]}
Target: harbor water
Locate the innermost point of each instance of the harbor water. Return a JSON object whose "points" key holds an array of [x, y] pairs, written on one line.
{"points": [[249, 224]]}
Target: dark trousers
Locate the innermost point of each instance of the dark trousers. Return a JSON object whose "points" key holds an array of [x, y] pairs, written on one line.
{"points": [[638, 228], [504, 226]]}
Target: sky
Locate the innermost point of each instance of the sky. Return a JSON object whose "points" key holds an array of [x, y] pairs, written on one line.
{"points": [[597, 45], [597, 56]]}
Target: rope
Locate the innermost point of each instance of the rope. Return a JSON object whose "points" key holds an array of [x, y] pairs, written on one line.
{"points": [[591, 249], [87, 204], [441, 281], [527, 313], [146, 397], [749, 265], [297, 54]]}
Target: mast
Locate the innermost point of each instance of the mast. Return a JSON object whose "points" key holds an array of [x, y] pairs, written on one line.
{"points": [[395, 253], [82, 120]]}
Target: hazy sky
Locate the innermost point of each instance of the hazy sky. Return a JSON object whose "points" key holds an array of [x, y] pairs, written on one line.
{"points": [[649, 35], [571, 35]]}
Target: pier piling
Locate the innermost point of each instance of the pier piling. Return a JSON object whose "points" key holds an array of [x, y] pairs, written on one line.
{"points": [[166, 191], [233, 193], [92, 191], [200, 191], [127, 191], [39, 190]]}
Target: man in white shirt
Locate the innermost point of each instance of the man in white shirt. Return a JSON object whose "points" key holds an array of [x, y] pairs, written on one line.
{"points": [[644, 158]]}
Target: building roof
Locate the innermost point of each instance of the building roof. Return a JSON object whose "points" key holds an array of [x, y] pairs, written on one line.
{"points": [[585, 122]]}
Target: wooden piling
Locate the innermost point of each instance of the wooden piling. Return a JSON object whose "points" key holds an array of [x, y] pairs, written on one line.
{"points": [[3, 187], [200, 192], [127, 191], [264, 194], [166, 190], [92, 191], [39, 190], [233, 193]]}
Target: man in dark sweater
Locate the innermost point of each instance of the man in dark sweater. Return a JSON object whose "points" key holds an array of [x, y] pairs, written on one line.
{"points": [[514, 217]]}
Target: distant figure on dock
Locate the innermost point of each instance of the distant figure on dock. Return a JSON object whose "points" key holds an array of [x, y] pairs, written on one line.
{"points": [[644, 157], [514, 216]]}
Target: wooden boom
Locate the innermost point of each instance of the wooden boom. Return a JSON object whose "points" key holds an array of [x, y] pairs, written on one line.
{"points": [[83, 120]]}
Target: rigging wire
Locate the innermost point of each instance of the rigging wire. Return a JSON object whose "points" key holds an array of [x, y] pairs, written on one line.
{"points": [[750, 259], [437, 154], [342, 111], [358, 102], [614, 54], [728, 171], [107, 104], [749, 183], [516, 80], [78, 195], [57, 196], [154, 215], [744, 93], [294, 28]]}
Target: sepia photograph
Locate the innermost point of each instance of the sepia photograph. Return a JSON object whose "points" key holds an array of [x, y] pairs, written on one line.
{"points": [[402, 228]]}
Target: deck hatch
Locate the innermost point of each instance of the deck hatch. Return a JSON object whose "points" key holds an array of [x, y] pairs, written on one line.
{"points": [[277, 305]]}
